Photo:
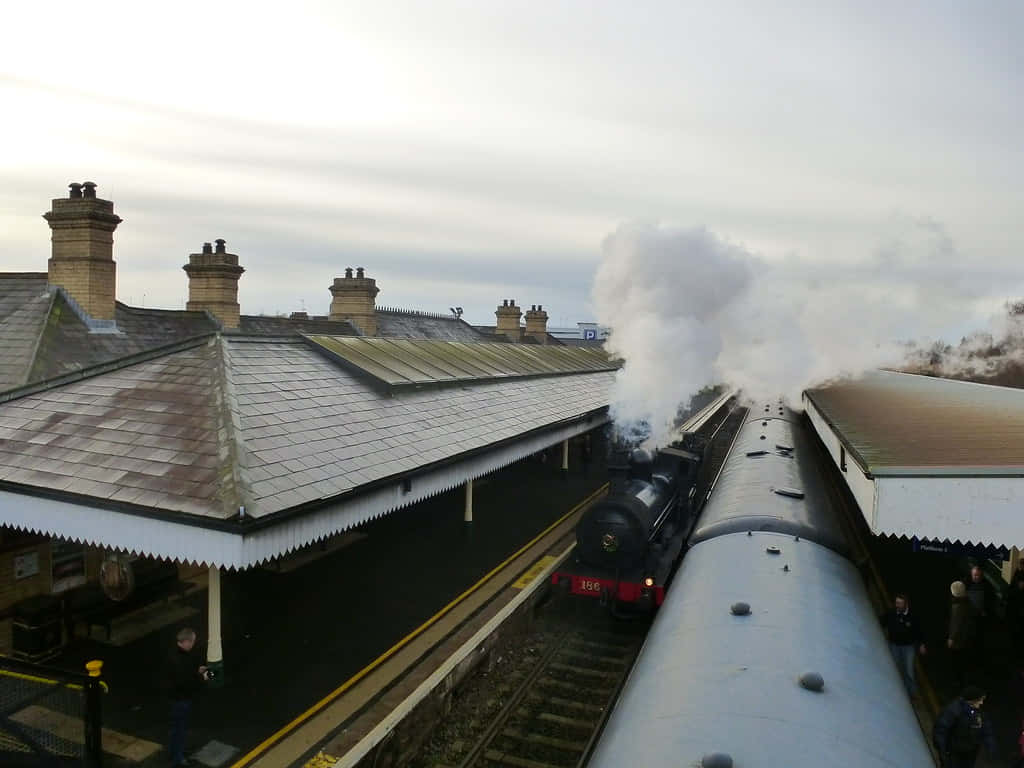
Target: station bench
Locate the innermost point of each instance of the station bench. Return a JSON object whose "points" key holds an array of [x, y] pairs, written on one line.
{"points": [[154, 580]]}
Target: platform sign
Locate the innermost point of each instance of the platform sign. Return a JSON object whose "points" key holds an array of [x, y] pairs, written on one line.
{"points": [[969, 550], [534, 571], [589, 334]]}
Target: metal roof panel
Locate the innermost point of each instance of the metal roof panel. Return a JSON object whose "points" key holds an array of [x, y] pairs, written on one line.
{"points": [[904, 424]]}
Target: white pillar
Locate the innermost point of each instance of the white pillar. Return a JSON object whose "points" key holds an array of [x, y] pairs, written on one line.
{"points": [[214, 652], [565, 454], [468, 516]]}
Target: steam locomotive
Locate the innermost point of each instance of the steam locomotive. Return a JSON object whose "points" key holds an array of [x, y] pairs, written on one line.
{"points": [[627, 544]]}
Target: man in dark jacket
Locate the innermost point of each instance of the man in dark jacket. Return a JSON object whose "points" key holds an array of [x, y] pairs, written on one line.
{"points": [[982, 597], [906, 639], [962, 633], [185, 675], [961, 730]]}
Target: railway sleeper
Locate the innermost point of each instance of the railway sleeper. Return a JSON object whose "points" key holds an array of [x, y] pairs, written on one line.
{"points": [[575, 669], [575, 747], [497, 757], [567, 703], [595, 658], [560, 720]]}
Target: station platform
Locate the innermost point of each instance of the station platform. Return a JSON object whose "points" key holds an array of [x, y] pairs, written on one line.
{"points": [[292, 637], [925, 577]]}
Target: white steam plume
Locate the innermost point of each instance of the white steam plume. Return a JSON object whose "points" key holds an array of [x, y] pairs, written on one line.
{"points": [[688, 309]]}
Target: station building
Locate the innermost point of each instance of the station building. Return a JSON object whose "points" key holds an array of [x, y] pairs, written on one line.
{"points": [[138, 444]]}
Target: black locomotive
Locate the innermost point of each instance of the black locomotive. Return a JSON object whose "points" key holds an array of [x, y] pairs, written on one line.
{"points": [[628, 542]]}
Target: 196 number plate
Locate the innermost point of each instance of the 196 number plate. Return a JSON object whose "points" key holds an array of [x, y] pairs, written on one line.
{"points": [[589, 585]]}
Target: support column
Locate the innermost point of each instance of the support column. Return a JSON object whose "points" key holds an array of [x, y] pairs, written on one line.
{"points": [[565, 455], [214, 651], [1010, 566], [468, 516]]}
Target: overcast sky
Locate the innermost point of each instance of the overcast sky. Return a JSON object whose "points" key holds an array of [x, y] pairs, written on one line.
{"points": [[465, 152]]}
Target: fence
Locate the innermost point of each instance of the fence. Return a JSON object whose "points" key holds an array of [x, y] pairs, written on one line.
{"points": [[49, 717]]}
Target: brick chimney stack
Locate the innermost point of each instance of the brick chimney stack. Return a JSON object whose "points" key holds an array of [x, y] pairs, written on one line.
{"points": [[213, 283], [537, 323], [508, 315], [354, 300], [82, 256]]}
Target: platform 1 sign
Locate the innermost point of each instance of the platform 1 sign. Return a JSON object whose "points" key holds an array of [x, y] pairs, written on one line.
{"points": [[967, 550], [534, 571]]}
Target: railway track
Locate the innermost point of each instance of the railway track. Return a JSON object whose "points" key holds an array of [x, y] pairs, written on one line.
{"points": [[552, 717], [546, 703]]}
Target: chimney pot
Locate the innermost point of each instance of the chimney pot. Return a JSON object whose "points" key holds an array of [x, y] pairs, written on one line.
{"points": [[221, 242], [359, 272], [207, 248], [348, 271], [89, 189], [76, 190], [540, 307]]}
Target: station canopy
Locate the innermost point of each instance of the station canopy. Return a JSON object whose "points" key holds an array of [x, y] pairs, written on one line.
{"points": [[231, 450], [931, 458]]}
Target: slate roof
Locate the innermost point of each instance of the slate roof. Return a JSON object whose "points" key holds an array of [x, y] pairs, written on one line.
{"points": [[261, 325], [67, 344], [490, 333], [270, 424], [24, 305], [406, 324]]}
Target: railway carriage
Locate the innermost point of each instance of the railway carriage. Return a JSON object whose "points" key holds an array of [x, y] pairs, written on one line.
{"points": [[766, 651]]}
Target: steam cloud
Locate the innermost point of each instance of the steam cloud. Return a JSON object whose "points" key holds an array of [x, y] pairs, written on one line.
{"points": [[689, 309]]}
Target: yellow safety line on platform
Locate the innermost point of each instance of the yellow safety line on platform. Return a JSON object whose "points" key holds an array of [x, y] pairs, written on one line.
{"points": [[259, 749], [46, 680]]}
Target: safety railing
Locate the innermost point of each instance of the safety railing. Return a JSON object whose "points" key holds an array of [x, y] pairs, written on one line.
{"points": [[50, 717]]}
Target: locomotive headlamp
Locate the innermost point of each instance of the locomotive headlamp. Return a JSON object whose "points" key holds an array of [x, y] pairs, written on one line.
{"points": [[648, 581]]}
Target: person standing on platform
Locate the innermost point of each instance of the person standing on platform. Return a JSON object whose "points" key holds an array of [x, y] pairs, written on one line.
{"points": [[185, 675], [962, 632], [906, 639], [962, 728], [979, 592]]}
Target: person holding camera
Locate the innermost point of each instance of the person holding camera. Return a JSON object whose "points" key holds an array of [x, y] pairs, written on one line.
{"points": [[185, 675]]}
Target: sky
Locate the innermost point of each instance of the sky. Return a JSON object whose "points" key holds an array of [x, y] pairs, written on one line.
{"points": [[466, 152]]}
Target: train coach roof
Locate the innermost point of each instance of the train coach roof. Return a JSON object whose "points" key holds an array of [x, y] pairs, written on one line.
{"points": [[902, 424], [709, 681]]}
